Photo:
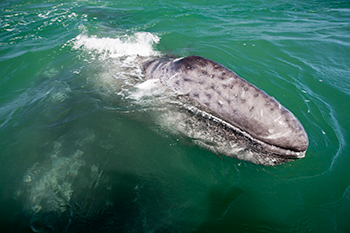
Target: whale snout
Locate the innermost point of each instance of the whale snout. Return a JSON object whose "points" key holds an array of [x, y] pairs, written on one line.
{"points": [[287, 132], [291, 140]]}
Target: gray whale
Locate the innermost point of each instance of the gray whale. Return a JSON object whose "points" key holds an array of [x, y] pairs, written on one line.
{"points": [[231, 109]]}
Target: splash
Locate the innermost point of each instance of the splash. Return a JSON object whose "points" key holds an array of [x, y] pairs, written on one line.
{"points": [[141, 43], [116, 65]]}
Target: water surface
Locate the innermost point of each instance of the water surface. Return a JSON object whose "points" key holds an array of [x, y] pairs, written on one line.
{"points": [[79, 150]]}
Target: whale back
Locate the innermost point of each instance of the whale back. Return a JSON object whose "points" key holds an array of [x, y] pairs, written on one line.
{"points": [[231, 98]]}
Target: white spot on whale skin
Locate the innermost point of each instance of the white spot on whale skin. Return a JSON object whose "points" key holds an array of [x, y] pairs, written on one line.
{"points": [[173, 76], [227, 81], [277, 118], [243, 92], [261, 113], [282, 123], [270, 130], [178, 59], [276, 135]]}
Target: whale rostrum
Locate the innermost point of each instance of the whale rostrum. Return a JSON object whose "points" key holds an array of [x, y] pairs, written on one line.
{"points": [[267, 132]]}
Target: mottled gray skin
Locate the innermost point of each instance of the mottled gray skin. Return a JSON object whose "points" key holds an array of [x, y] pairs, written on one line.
{"points": [[241, 107]]}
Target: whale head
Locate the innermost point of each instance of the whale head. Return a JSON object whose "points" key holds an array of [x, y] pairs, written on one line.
{"points": [[270, 127]]}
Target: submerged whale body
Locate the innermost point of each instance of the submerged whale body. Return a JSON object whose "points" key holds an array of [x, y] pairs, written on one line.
{"points": [[235, 117]]}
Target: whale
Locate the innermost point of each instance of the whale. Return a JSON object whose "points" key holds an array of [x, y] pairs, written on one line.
{"points": [[236, 118]]}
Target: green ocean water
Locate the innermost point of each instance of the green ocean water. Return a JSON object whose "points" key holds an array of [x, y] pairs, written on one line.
{"points": [[79, 151]]}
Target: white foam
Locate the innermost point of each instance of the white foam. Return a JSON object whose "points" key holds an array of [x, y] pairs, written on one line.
{"points": [[151, 87], [121, 56], [140, 43]]}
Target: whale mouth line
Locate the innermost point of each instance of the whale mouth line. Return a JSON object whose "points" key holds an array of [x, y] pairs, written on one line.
{"points": [[257, 144]]}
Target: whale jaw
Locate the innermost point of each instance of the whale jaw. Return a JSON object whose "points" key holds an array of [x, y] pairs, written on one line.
{"points": [[222, 138]]}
